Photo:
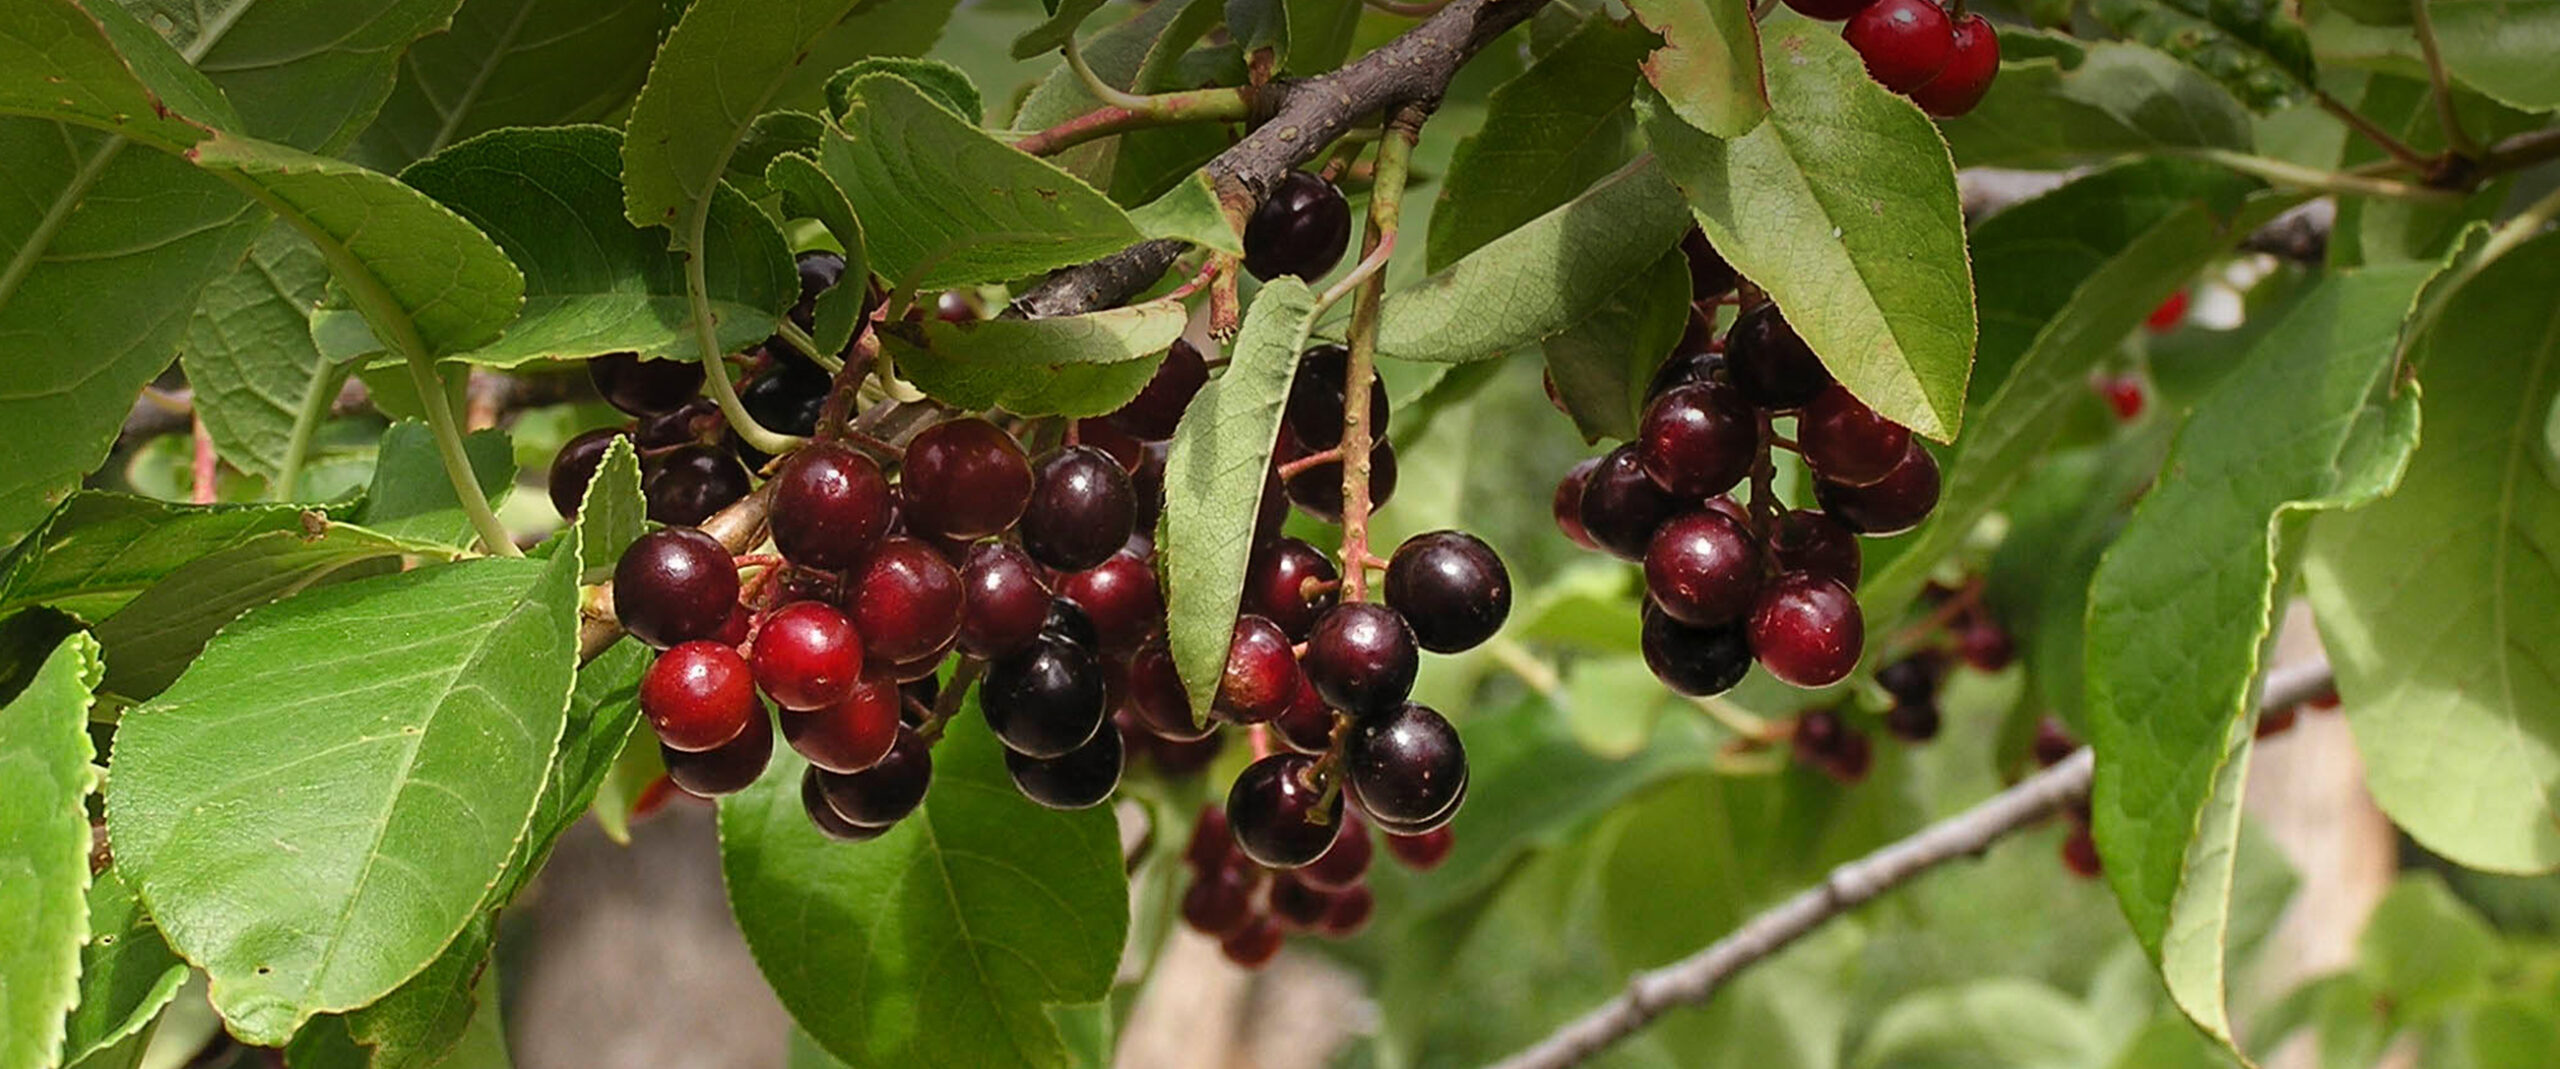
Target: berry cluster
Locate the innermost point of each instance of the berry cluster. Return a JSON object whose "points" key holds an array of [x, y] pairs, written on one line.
{"points": [[1725, 581], [1248, 907], [1916, 48]]}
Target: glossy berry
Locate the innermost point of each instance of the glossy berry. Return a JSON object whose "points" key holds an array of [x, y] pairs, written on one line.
{"points": [[1082, 509], [1121, 597], [955, 306], [1156, 696], [1969, 71], [698, 695], [1344, 863], [1698, 440], [1066, 621], [963, 478], [1003, 601], [1158, 408], [905, 600], [674, 585], [1845, 442], [820, 270], [830, 506], [1394, 828], [1314, 409], [1280, 817], [693, 482], [1424, 851], [1290, 583], [1621, 505], [1352, 907], [787, 398], [1301, 229], [1709, 276], [1772, 367], [1254, 945], [1809, 541], [1686, 366], [1904, 43], [823, 813], [1295, 906], [1806, 630], [1082, 779], [574, 466], [1893, 504], [1307, 726], [691, 423], [1219, 902], [1261, 676], [1696, 661], [1567, 504], [890, 789], [727, 768], [1317, 491], [1362, 659], [807, 656], [1451, 588], [642, 387], [924, 665], [1703, 569], [1913, 722], [1408, 769], [1045, 699], [852, 734], [1828, 10], [740, 625]]}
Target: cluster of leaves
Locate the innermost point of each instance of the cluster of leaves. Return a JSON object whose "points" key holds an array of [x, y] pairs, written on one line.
{"points": [[342, 742]]}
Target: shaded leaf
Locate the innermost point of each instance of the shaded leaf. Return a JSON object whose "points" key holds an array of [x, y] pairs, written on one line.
{"points": [[44, 850], [1080, 365], [2062, 103], [1548, 134], [1603, 365], [512, 63], [940, 82], [2502, 48], [412, 496], [127, 972], [250, 360]]}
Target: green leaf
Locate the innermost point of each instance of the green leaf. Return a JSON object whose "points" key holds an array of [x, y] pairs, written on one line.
{"points": [[2502, 48], [249, 355], [2250, 72], [2448, 669], [1708, 68], [1603, 365], [1843, 207], [1220, 457], [940, 82], [1189, 211], [2062, 279], [2267, 27], [808, 193], [2181, 607], [719, 69], [412, 718], [2065, 103], [412, 497], [127, 972], [1548, 134], [512, 63], [1259, 24], [1081, 365], [100, 549], [64, 64], [1051, 35], [1991, 1022], [946, 204], [307, 75], [2424, 950], [612, 515], [889, 35], [551, 199], [44, 847], [944, 941], [1541, 277]]}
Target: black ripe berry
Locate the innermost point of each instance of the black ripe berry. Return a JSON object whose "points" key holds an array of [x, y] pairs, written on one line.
{"points": [[1362, 659], [1696, 661], [830, 506], [1314, 409], [1451, 589], [1290, 583], [787, 398], [823, 813], [1317, 491], [694, 481], [1152, 415], [1003, 601], [1301, 229], [882, 794], [820, 270], [1709, 276], [1406, 770], [675, 585], [1281, 818], [1621, 505], [724, 769], [1082, 509], [1772, 367], [644, 387], [575, 466], [1084, 778], [1046, 699]]}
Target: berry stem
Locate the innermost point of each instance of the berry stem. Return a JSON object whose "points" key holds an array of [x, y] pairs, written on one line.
{"points": [[1139, 113], [206, 471], [2422, 16], [1291, 469], [2312, 179], [1964, 600], [953, 692], [715, 370], [847, 384], [2365, 128], [1386, 205], [317, 397], [457, 463], [1764, 494], [808, 346]]}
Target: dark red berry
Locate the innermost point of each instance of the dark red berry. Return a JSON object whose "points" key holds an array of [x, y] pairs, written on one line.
{"points": [[692, 482], [1986, 646], [1296, 906], [1893, 504], [1045, 699], [1913, 722], [1698, 440], [1686, 366], [1828, 10], [1806, 630], [924, 665], [1254, 945], [1122, 599], [1290, 583], [1146, 484], [1830, 745], [1343, 863], [1703, 569], [1696, 661], [698, 695], [1153, 414], [1709, 276], [1622, 506], [1317, 491], [574, 466], [852, 734], [674, 585], [1273, 509], [1003, 601], [1280, 817], [1362, 659], [1904, 43], [1451, 588], [694, 422], [2274, 722], [2053, 742], [1408, 769], [1082, 509], [1261, 676], [2080, 854], [1567, 506], [1969, 71], [1211, 846], [906, 600], [1156, 697], [830, 506], [1301, 229], [807, 656], [724, 769], [823, 813], [1912, 680], [1175, 757], [1307, 726], [886, 792], [1082, 779], [642, 387], [741, 624], [1350, 913], [1772, 367], [954, 306], [1314, 409], [963, 478], [1809, 541], [1845, 442], [1219, 902], [1424, 851]]}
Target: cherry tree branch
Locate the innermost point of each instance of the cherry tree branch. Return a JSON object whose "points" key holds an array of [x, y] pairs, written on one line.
{"points": [[1696, 978], [1305, 117]]}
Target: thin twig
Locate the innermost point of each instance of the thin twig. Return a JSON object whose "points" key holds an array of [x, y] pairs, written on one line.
{"points": [[1165, 109], [2422, 15], [2312, 178], [2396, 148], [1696, 978]]}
